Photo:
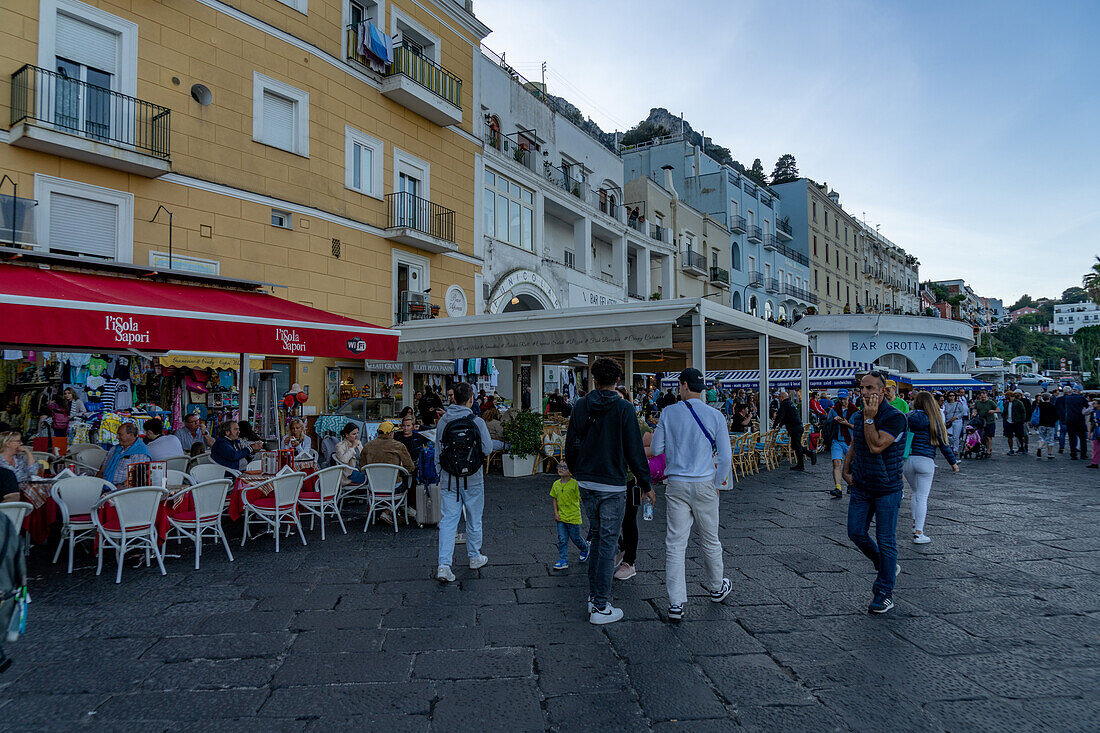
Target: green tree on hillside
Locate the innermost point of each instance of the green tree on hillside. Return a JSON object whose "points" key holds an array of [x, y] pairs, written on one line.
{"points": [[1091, 281], [1088, 338], [1025, 301], [785, 169], [643, 132], [757, 173], [1075, 295]]}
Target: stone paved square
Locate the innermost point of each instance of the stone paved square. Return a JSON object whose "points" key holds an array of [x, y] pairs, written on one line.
{"points": [[997, 625]]}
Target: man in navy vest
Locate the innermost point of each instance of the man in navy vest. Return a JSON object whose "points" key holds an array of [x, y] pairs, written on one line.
{"points": [[873, 470]]}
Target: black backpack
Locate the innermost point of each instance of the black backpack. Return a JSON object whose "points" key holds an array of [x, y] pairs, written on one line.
{"points": [[461, 454], [829, 429]]}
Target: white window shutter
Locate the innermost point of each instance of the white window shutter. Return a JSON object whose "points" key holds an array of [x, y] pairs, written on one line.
{"points": [[87, 44], [279, 123], [83, 225]]}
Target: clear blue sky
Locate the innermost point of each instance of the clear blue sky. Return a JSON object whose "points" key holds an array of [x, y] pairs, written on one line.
{"points": [[970, 131]]}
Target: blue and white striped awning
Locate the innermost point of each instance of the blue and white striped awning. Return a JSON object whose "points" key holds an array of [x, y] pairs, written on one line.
{"points": [[827, 371], [942, 381]]}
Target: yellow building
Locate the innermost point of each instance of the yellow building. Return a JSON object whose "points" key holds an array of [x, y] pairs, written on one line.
{"points": [[284, 151], [834, 252]]}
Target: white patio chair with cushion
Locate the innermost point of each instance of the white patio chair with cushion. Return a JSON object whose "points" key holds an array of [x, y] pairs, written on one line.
{"points": [[84, 458], [75, 496], [204, 472], [323, 500], [201, 459], [17, 511], [347, 489], [177, 463], [44, 455], [253, 465], [178, 478], [277, 509], [205, 517], [385, 481], [137, 525]]}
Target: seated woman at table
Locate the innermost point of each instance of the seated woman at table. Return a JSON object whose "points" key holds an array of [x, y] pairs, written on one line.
{"points": [[17, 457], [129, 450], [491, 416], [297, 440], [230, 450], [347, 452]]}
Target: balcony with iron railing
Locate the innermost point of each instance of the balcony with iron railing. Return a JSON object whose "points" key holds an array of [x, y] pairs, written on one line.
{"points": [[414, 306], [693, 263], [794, 255], [800, 293], [419, 223], [605, 204], [756, 279], [770, 242], [772, 285], [567, 181], [784, 230], [53, 113], [737, 224], [414, 81], [638, 224], [520, 152], [754, 234], [720, 277], [660, 233]]}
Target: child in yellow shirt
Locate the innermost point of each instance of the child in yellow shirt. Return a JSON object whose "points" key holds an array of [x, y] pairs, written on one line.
{"points": [[566, 495]]}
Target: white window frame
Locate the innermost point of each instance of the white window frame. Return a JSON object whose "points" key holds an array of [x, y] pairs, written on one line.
{"points": [[412, 166], [400, 257], [505, 238], [45, 185], [205, 266], [126, 30], [433, 50], [302, 6], [261, 84], [351, 138]]}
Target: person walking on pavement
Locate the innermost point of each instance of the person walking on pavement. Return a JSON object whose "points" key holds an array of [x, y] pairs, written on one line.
{"points": [[602, 441], [841, 415], [954, 417], [1015, 416], [788, 417], [1048, 426], [929, 434], [873, 470], [695, 441], [987, 410], [461, 443], [1076, 404]]}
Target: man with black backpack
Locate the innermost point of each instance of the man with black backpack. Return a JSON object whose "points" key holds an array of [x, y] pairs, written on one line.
{"points": [[461, 443], [836, 433], [602, 441]]}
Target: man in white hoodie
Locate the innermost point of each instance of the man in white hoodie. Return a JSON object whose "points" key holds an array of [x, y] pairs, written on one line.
{"points": [[696, 443]]}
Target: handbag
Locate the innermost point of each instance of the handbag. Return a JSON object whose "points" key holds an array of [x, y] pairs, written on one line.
{"points": [[725, 485]]}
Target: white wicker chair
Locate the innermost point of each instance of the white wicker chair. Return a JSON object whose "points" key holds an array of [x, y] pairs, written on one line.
{"points": [[201, 459], [75, 496], [84, 458], [324, 500], [17, 511], [179, 478], [178, 463], [137, 525], [204, 472], [208, 499], [385, 481], [278, 509]]}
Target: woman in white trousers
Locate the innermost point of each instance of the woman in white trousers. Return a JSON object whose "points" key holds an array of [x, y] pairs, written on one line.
{"points": [[929, 434]]}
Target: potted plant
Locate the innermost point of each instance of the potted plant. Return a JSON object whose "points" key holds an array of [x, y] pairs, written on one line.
{"points": [[523, 438]]}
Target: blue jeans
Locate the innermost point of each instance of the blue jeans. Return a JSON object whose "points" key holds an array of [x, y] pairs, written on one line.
{"points": [[862, 508], [357, 477], [605, 512], [568, 532], [1061, 426], [453, 500]]}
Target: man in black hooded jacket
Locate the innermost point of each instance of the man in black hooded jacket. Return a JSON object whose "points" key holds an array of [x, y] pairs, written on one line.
{"points": [[602, 442]]}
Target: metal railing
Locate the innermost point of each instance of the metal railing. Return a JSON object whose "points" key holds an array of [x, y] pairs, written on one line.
{"points": [[520, 153], [800, 293], [407, 210], [638, 225], [635, 296], [660, 233], [720, 276], [770, 242], [97, 113], [694, 261], [567, 182], [755, 235], [784, 227], [772, 285], [605, 205], [427, 74], [737, 224], [791, 254], [756, 279]]}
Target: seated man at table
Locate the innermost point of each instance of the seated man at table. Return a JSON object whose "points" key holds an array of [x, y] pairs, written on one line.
{"points": [[194, 433], [129, 450], [161, 445], [229, 450], [384, 449]]}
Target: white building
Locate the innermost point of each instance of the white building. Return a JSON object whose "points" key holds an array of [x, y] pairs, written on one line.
{"points": [[1068, 317], [552, 229]]}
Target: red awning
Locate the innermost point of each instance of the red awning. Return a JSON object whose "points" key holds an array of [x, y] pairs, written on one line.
{"points": [[40, 307]]}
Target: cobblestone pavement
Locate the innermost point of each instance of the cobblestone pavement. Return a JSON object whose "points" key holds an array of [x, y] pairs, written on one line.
{"points": [[997, 625]]}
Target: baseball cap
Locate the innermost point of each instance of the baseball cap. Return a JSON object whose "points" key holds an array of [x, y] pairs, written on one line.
{"points": [[842, 394], [694, 379], [385, 427]]}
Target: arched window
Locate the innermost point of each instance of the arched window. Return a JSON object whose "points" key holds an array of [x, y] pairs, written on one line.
{"points": [[769, 309], [736, 256], [946, 364], [737, 301], [783, 312], [900, 362], [753, 306]]}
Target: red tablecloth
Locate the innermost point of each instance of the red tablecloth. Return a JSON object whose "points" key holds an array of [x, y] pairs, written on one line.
{"points": [[38, 522], [109, 518], [246, 481]]}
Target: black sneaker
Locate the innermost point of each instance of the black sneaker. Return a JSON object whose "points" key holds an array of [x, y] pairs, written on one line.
{"points": [[798, 468], [675, 613], [881, 604], [1011, 453], [835, 493]]}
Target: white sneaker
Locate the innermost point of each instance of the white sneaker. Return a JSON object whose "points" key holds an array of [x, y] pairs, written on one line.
{"points": [[591, 606], [720, 595], [608, 615], [898, 571], [444, 574], [921, 539], [478, 562]]}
